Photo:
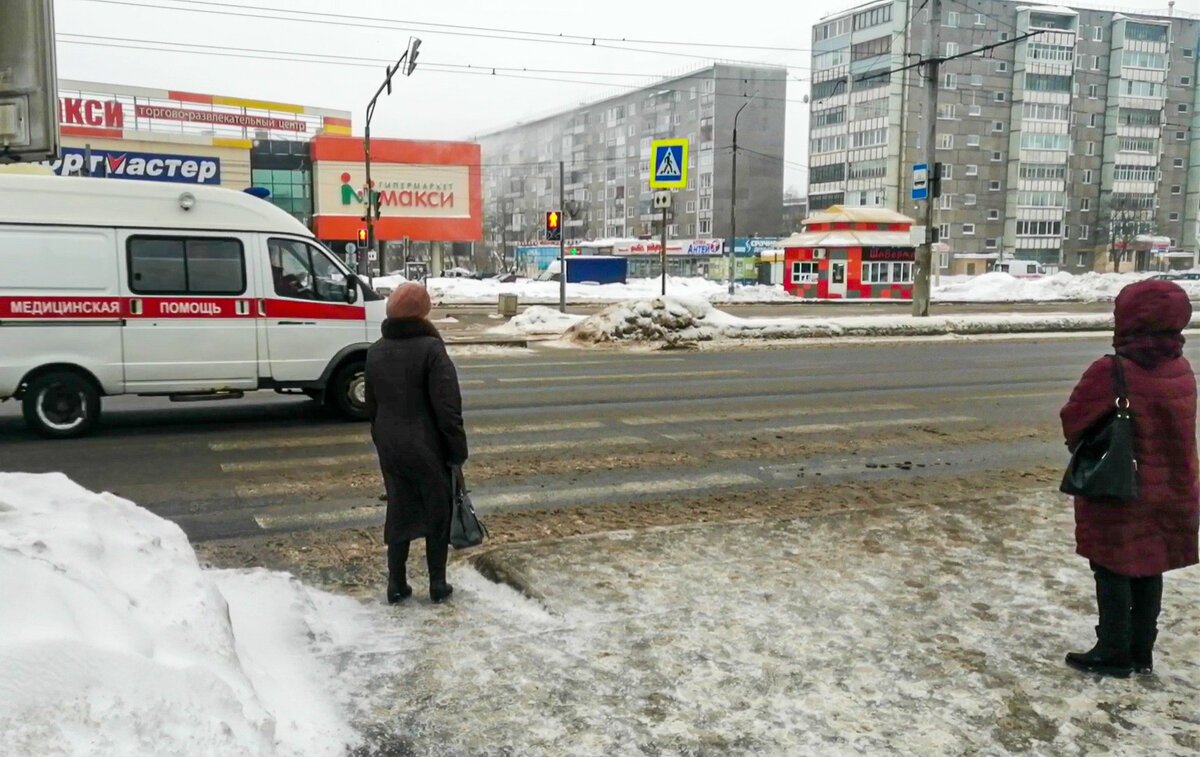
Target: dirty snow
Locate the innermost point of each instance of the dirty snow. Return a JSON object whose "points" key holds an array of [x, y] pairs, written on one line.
{"points": [[1003, 287], [909, 631], [113, 640], [690, 320], [538, 320]]}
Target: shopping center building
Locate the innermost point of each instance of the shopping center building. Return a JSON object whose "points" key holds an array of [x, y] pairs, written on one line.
{"points": [[304, 156]]}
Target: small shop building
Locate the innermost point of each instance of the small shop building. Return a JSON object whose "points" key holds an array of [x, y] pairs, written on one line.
{"points": [[851, 253]]}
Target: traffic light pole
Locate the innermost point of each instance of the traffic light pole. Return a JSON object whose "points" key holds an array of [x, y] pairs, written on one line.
{"points": [[562, 240], [921, 283]]}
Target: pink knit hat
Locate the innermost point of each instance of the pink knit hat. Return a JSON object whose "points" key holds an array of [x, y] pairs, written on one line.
{"points": [[409, 301]]}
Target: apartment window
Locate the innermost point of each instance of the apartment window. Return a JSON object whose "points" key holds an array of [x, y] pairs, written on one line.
{"points": [[993, 215], [974, 110], [1092, 120], [1093, 91], [872, 48], [968, 230], [873, 17], [1091, 148], [997, 126], [1095, 62], [1039, 228], [1097, 33], [972, 140], [1177, 163], [1185, 81], [1081, 260], [1176, 189], [692, 93], [1003, 36], [979, 19], [1189, 52], [829, 116], [997, 157], [947, 170], [1085, 204], [1180, 136], [1066, 232], [951, 49], [945, 142], [828, 173], [999, 97], [1182, 107], [952, 19], [705, 226], [950, 81], [969, 199], [976, 80], [947, 202], [944, 232], [993, 186], [1173, 217], [1002, 66], [971, 169], [706, 203], [869, 138], [1047, 83], [691, 206], [948, 112], [1087, 176], [1043, 171], [991, 243]]}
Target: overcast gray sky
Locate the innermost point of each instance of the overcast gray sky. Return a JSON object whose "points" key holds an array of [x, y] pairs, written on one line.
{"points": [[438, 104]]}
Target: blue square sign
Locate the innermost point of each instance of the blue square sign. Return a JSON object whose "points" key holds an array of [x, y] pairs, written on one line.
{"points": [[920, 181], [668, 163]]}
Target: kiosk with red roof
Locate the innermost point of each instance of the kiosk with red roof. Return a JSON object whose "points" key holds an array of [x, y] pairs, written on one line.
{"points": [[851, 253]]}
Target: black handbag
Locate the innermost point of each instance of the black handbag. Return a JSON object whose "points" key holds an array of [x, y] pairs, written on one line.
{"points": [[1103, 463], [466, 530]]}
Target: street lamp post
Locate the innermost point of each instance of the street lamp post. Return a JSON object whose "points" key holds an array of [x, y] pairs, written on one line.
{"points": [[370, 197], [733, 198]]}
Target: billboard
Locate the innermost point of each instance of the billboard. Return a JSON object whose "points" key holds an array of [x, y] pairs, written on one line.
{"points": [[28, 83], [143, 166]]}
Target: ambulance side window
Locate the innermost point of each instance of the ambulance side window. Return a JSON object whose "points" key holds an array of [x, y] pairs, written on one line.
{"points": [[303, 272], [182, 265]]}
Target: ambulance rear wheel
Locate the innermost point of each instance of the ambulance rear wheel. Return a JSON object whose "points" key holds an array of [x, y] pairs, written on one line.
{"points": [[348, 392], [61, 405]]}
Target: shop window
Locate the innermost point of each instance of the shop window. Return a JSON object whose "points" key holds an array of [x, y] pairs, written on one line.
{"points": [[175, 265], [804, 272]]}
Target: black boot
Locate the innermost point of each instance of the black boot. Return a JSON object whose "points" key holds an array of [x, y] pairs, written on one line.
{"points": [[1110, 656], [397, 588], [436, 553], [1147, 602]]}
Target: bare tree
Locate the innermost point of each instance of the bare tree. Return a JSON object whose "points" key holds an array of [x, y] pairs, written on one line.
{"points": [[1123, 218]]}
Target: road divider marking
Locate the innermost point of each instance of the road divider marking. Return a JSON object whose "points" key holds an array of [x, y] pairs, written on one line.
{"points": [[577, 493], [333, 461], [364, 436], [811, 428], [618, 376], [468, 366], [370, 513], [1059, 393], [765, 414]]}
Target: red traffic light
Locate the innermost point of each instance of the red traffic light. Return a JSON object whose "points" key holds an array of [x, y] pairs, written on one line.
{"points": [[552, 219], [362, 236]]}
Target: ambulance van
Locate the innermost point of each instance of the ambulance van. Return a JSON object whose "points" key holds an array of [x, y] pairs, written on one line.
{"points": [[112, 287]]}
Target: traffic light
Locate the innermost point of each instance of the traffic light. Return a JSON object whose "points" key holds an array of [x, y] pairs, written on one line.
{"points": [[414, 45], [362, 236], [554, 226]]}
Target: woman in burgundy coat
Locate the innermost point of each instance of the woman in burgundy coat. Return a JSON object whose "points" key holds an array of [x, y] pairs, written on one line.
{"points": [[1131, 544]]}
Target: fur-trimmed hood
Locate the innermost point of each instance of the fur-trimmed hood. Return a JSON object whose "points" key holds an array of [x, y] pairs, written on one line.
{"points": [[409, 328]]}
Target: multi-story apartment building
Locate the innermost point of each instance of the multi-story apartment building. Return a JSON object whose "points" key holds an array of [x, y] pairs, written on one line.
{"points": [[1060, 147], [605, 146]]}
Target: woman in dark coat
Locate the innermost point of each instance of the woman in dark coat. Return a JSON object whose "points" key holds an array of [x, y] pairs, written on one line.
{"points": [[415, 407], [1131, 544]]}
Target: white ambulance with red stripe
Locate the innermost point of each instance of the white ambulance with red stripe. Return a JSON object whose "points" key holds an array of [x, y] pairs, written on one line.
{"points": [[112, 287]]}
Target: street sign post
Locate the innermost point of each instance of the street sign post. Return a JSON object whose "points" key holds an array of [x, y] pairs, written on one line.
{"points": [[662, 200], [920, 181], [668, 163]]}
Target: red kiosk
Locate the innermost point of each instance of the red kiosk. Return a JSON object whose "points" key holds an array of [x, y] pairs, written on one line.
{"points": [[851, 253]]}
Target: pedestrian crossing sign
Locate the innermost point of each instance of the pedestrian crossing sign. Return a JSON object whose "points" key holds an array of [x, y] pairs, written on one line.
{"points": [[668, 163]]}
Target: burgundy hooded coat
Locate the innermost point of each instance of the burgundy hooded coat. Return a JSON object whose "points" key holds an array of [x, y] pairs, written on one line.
{"points": [[1158, 531]]}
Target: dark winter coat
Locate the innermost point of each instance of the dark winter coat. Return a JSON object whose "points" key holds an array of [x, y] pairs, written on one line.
{"points": [[1158, 531], [415, 407]]}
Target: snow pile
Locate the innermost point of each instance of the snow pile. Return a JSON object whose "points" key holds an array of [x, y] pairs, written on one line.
{"points": [[538, 320], [113, 641], [451, 290], [672, 320], [385, 284], [1003, 287]]}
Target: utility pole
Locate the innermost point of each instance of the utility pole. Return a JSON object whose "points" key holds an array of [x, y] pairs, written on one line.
{"points": [[925, 251], [369, 195], [562, 241], [733, 198]]}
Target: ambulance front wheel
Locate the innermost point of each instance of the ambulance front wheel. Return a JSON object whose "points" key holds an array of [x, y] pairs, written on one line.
{"points": [[61, 405], [348, 392]]}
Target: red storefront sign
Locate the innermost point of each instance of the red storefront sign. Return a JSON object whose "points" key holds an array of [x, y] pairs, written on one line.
{"points": [[78, 111], [189, 115], [876, 254]]}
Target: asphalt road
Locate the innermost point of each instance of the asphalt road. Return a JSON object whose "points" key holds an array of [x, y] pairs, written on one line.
{"points": [[564, 428]]}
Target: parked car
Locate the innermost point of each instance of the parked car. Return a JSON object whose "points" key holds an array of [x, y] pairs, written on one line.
{"points": [[148, 288], [1020, 268], [457, 273]]}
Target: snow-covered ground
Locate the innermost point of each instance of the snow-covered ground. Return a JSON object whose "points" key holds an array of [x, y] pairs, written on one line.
{"points": [[991, 287], [538, 320], [113, 640]]}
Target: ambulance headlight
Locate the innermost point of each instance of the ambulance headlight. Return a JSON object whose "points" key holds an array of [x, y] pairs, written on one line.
{"points": [[187, 200]]}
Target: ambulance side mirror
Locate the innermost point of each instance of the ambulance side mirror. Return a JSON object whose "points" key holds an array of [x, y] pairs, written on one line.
{"points": [[352, 290]]}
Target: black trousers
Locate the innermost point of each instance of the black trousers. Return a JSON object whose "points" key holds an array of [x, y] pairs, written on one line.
{"points": [[437, 551], [1129, 608]]}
